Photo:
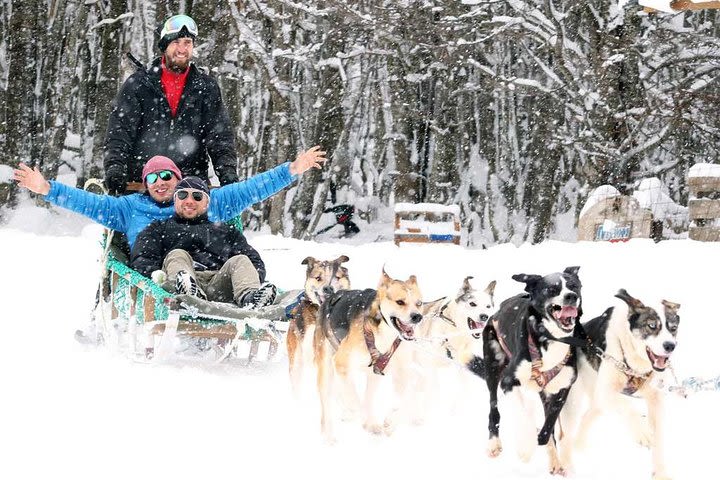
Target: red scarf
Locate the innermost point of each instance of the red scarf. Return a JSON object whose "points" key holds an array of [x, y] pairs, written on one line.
{"points": [[173, 85]]}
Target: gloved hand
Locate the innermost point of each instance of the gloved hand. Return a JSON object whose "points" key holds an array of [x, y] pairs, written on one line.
{"points": [[227, 176], [116, 180]]}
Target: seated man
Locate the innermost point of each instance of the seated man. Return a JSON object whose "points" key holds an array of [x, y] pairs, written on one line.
{"points": [[130, 214], [199, 257]]}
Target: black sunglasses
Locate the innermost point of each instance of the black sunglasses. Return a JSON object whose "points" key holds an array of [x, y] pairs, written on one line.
{"points": [[196, 195], [162, 175]]}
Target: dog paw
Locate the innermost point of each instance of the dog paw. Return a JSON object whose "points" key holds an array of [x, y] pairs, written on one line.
{"points": [[329, 439], [643, 435], [494, 447], [558, 470], [374, 428], [348, 415], [417, 421], [661, 476], [389, 427], [509, 382]]}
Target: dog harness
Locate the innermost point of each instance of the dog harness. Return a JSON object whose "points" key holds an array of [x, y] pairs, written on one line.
{"points": [[542, 378], [634, 384], [378, 360]]}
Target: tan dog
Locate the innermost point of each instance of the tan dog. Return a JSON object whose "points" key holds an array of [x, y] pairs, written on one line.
{"points": [[629, 350], [322, 279], [366, 332]]}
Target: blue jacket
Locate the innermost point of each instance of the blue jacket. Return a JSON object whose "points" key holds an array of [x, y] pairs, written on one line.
{"points": [[130, 214]]}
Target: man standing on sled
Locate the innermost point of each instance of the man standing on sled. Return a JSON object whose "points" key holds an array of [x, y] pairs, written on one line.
{"points": [[171, 109], [198, 257]]}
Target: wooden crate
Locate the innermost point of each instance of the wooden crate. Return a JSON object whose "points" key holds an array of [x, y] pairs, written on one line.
{"points": [[427, 223]]}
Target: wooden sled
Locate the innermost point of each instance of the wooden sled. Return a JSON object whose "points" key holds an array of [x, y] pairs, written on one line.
{"points": [[136, 316]]}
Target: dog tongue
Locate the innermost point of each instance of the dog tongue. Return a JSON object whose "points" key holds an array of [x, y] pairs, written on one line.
{"points": [[566, 312], [660, 361], [407, 330]]}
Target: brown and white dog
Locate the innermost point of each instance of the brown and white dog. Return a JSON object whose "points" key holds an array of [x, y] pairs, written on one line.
{"points": [[628, 351], [453, 340], [322, 279], [365, 332]]}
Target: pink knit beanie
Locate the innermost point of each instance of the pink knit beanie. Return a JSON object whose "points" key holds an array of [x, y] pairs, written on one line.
{"points": [[157, 163]]}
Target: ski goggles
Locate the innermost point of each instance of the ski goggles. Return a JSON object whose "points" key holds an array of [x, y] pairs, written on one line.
{"points": [[162, 175], [197, 195], [178, 22]]}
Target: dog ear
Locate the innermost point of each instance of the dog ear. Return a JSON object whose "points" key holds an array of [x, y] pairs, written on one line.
{"points": [[572, 270], [432, 308], [341, 259], [528, 280], [384, 278], [490, 290], [466, 287], [632, 302], [672, 306], [308, 261]]}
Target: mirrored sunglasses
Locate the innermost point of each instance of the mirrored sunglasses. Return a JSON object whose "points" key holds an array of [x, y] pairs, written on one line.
{"points": [[197, 195], [176, 23], [162, 175]]}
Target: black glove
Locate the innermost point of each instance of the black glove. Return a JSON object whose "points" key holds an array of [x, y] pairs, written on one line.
{"points": [[116, 180], [227, 176]]}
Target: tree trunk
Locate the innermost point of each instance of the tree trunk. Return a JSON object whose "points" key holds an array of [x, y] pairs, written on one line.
{"points": [[20, 104], [108, 73]]}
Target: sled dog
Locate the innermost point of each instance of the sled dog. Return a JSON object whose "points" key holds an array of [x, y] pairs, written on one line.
{"points": [[453, 338], [629, 347], [322, 279], [365, 332], [528, 348]]}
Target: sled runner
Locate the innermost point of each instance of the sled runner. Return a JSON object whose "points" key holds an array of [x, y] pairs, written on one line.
{"points": [[135, 315]]}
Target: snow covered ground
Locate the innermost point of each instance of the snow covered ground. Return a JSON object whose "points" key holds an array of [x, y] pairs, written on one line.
{"points": [[69, 411]]}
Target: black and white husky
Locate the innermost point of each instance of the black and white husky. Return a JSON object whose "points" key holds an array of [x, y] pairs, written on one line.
{"points": [[530, 346], [629, 348]]}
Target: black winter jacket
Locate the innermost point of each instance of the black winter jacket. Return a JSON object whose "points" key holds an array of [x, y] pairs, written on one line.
{"points": [[141, 126], [209, 244]]}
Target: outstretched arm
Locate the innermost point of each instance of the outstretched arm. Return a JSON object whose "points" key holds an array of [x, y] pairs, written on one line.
{"points": [[31, 179], [109, 211], [229, 201]]}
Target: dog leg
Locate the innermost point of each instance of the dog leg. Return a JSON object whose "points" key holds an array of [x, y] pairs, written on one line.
{"points": [[655, 415], [372, 422], [553, 405], [349, 399], [294, 360], [494, 359], [420, 400], [568, 423], [638, 424], [401, 381], [525, 429], [325, 374]]}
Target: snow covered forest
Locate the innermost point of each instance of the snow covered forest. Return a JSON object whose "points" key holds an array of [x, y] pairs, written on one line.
{"points": [[513, 109]]}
